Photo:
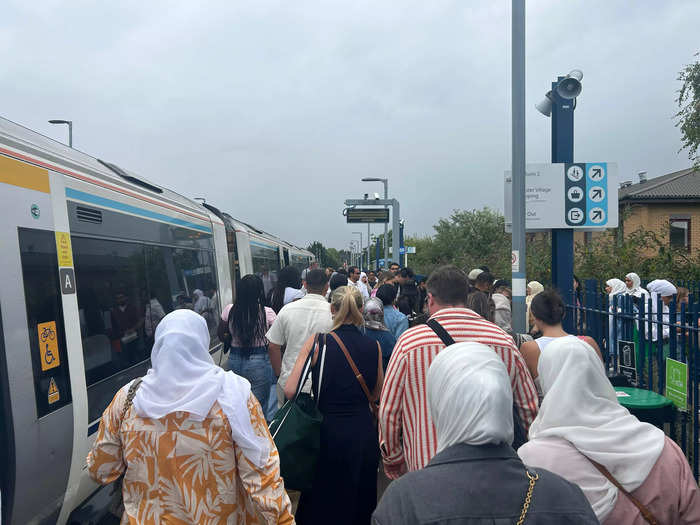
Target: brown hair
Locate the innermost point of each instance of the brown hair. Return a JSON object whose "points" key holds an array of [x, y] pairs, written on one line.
{"points": [[346, 301], [448, 285]]}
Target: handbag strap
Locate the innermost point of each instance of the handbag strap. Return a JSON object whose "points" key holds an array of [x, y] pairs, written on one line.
{"points": [[440, 332], [305, 371], [130, 398], [646, 513], [323, 362], [528, 496], [357, 373]]}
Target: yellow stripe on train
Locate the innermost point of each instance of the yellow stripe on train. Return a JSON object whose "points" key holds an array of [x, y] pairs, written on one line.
{"points": [[24, 175]]}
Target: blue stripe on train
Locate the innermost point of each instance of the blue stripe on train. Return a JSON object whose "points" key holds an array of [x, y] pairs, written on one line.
{"points": [[116, 205]]}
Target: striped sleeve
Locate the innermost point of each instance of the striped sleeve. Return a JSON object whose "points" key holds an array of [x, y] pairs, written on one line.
{"points": [[390, 413], [524, 391]]}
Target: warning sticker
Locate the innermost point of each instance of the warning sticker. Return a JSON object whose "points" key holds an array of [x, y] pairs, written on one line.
{"points": [[48, 345], [64, 250], [53, 392]]}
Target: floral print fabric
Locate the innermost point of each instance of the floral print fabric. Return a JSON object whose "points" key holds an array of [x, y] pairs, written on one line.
{"points": [[183, 471]]}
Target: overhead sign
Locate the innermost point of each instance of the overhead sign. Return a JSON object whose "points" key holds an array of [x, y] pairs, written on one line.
{"points": [[368, 215], [581, 195], [627, 360], [677, 383]]}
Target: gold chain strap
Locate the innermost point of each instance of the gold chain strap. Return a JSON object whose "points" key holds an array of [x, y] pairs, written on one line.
{"points": [[528, 497]]}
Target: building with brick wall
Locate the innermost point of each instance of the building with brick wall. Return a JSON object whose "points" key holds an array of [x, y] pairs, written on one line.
{"points": [[668, 205]]}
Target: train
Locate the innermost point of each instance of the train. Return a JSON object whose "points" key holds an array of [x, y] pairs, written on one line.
{"points": [[94, 256]]}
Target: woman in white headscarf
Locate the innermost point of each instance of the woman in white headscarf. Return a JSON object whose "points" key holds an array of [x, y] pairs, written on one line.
{"points": [[634, 285], [194, 432], [532, 289], [664, 290], [581, 422], [614, 287], [470, 402]]}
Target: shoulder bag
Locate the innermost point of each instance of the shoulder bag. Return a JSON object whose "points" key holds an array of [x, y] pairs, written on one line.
{"points": [[296, 431], [519, 433], [373, 407], [645, 512]]}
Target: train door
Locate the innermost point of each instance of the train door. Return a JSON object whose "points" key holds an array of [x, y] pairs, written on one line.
{"points": [[234, 262], [285, 261], [35, 383]]}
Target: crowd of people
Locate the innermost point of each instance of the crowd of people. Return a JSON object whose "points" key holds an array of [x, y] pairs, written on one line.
{"points": [[420, 383]]}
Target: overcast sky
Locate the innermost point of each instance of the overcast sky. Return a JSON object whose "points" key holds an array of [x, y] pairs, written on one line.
{"points": [[273, 111]]}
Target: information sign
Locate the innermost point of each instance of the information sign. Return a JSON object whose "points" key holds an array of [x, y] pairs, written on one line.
{"points": [[677, 383], [48, 345], [580, 195], [627, 360], [53, 393], [63, 247], [367, 215]]}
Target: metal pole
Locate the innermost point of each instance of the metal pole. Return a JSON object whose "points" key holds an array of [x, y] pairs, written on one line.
{"points": [[70, 133], [359, 250], [518, 168], [563, 239], [369, 244], [395, 232], [386, 226]]}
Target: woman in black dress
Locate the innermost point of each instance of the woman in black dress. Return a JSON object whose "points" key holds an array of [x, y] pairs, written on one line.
{"points": [[345, 485]]}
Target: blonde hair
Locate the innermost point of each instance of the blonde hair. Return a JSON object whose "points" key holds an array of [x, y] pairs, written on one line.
{"points": [[346, 301]]}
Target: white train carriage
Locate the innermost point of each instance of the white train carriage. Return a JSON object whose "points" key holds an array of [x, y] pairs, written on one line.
{"points": [[93, 257], [253, 251]]}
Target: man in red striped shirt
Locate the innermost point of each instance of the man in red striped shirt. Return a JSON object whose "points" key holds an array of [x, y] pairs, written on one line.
{"points": [[406, 432]]}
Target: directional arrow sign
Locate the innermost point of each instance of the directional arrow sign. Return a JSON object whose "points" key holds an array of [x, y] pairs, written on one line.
{"points": [[597, 214], [597, 193]]}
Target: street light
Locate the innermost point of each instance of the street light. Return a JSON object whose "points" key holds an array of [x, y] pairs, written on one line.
{"points": [[360, 250], [70, 129], [386, 197]]}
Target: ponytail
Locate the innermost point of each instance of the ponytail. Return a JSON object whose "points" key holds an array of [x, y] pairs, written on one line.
{"points": [[347, 303]]}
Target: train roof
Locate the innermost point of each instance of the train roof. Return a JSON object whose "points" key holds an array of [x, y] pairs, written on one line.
{"points": [[20, 142]]}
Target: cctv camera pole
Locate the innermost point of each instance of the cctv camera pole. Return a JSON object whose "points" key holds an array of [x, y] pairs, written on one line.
{"points": [[563, 239], [518, 168]]}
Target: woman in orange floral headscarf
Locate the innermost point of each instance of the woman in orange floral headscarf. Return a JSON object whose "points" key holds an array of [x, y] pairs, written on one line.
{"points": [[193, 446]]}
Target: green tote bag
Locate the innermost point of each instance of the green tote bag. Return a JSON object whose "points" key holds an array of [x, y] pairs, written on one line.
{"points": [[296, 430]]}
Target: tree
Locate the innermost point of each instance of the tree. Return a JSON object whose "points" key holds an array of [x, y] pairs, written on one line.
{"points": [[324, 256], [689, 114], [472, 238], [423, 262]]}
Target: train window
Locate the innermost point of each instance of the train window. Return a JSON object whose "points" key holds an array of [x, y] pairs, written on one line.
{"points": [[300, 261], [112, 298], [266, 264], [124, 290], [47, 339], [194, 286]]}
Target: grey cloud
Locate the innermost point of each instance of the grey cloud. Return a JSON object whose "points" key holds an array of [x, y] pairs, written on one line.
{"points": [[275, 110]]}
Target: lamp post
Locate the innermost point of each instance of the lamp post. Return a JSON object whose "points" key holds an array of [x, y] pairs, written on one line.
{"points": [[360, 247], [559, 103], [386, 197], [70, 129], [518, 168]]}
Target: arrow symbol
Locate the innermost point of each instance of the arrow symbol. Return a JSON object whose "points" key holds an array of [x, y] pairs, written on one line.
{"points": [[597, 214], [597, 173], [597, 193]]}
